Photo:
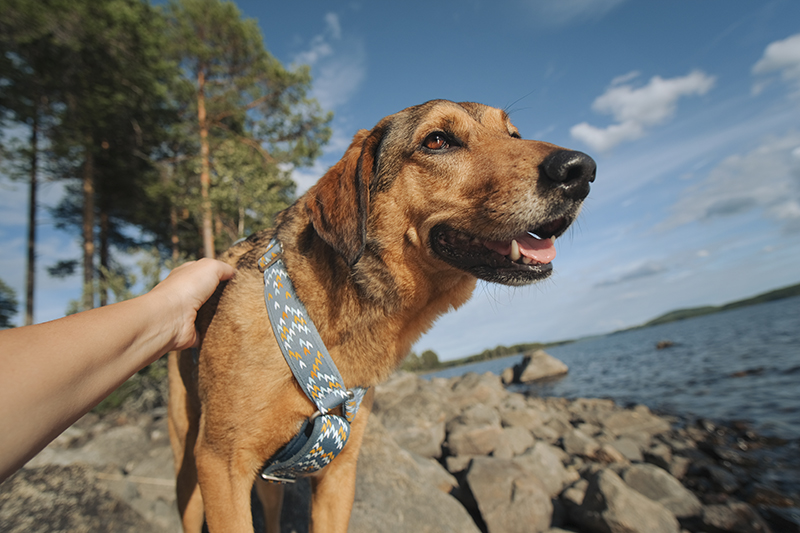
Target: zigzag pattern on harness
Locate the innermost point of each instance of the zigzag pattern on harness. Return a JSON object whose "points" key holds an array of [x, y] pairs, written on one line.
{"points": [[314, 371]]}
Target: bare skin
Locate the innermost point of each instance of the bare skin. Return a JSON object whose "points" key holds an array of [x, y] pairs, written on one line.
{"points": [[53, 373]]}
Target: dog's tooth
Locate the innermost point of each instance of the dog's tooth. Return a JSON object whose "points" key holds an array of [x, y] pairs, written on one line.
{"points": [[515, 255], [527, 260]]}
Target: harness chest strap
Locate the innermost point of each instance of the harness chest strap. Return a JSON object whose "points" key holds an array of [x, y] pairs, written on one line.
{"points": [[323, 435]]}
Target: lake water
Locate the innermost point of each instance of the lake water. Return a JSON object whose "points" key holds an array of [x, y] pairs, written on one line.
{"points": [[742, 364]]}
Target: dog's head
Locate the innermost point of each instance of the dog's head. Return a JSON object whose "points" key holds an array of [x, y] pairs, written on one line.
{"points": [[454, 185]]}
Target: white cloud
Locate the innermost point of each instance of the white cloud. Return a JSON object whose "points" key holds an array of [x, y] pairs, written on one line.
{"points": [[765, 179], [634, 110], [338, 64], [780, 56], [552, 13]]}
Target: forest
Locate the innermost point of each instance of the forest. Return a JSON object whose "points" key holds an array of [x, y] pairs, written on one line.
{"points": [[173, 129]]}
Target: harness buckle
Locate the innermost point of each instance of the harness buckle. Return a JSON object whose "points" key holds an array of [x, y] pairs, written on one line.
{"points": [[275, 479], [263, 264]]}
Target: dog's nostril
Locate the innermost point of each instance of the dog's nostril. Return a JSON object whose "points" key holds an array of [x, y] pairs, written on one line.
{"points": [[567, 166]]}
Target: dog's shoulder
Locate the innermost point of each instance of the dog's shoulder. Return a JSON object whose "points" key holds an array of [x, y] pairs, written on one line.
{"points": [[244, 254]]}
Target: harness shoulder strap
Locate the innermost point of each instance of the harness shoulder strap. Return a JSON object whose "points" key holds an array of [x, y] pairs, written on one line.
{"points": [[324, 435]]}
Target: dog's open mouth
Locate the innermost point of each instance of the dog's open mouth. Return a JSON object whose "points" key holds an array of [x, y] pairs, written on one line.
{"points": [[524, 258]]}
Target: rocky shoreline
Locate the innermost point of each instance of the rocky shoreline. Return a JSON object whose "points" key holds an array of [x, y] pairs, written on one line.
{"points": [[461, 454]]}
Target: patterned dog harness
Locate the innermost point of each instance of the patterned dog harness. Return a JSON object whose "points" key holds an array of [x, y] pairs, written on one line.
{"points": [[323, 435]]}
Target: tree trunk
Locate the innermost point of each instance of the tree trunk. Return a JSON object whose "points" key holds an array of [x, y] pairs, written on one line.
{"points": [[173, 226], [205, 168], [88, 226], [31, 266], [102, 278]]}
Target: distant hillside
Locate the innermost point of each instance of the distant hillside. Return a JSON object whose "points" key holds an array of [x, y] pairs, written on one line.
{"points": [[672, 316], [681, 314]]}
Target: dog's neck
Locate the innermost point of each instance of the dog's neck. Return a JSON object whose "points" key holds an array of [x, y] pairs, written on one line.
{"points": [[368, 316]]}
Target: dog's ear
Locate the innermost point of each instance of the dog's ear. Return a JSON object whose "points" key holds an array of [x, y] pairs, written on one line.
{"points": [[338, 204]]}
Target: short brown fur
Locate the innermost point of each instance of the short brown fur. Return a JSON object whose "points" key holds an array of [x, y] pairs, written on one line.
{"points": [[357, 247]]}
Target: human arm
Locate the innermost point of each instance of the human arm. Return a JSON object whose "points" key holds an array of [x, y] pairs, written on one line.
{"points": [[53, 373]]}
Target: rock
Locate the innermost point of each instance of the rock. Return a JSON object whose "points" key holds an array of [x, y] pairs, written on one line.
{"points": [[659, 455], [543, 463], [722, 479], [435, 473], [476, 431], [591, 410], [472, 388], [629, 449], [458, 463], [658, 485], [475, 415], [417, 420], [735, 517], [573, 495], [475, 440], [393, 494], [609, 505], [539, 365], [393, 391], [508, 500], [64, 498], [507, 376], [519, 439], [679, 466], [518, 414], [122, 446], [546, 434], [576, 442], [634, 423], [608, 454], [560, 424]]}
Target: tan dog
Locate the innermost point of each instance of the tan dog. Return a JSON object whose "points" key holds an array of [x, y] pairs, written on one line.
{"points": [[394, 235]]}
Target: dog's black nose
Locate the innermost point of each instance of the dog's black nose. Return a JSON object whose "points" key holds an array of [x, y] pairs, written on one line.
{"points": [[571, 171]]}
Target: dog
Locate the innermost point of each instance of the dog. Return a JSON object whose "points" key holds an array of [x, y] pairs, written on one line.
{"points": [[395, 234]]}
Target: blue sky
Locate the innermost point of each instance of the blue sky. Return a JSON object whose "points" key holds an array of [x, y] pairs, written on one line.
{"points": [[691, 110]]}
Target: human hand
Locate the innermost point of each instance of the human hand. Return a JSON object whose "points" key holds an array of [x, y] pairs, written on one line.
{"points": [[184, 291]]}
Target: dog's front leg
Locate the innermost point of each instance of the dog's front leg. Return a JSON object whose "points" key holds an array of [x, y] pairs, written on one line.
{"points": [[226, 478], [333, 490]]}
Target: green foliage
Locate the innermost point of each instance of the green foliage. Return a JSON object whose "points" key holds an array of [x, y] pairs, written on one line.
{"points": [[113, 88], [421, 363], [8, 305], [145, 390], [259, 123]]}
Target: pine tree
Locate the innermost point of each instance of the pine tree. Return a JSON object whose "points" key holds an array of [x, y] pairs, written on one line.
{"points": [[29, 71], [245, 105]]}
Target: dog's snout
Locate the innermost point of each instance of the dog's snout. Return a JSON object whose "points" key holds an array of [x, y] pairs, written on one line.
{"points": [[570, 170]]}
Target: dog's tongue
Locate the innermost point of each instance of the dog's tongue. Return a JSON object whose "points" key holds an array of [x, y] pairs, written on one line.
{"points": [[537, 250]]}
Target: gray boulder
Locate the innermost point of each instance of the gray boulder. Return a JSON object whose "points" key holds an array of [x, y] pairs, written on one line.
{"points": [[509, 500], [544, 463], [628, 448], [539, 365], [472, 388], [64, 498], [413, 413], [734, 517], [394, 495], [611, 506], [658, 485], [634, 423], [576, 442]]}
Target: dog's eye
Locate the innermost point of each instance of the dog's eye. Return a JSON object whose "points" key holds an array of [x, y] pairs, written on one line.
{"points": [[436, 141]]}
